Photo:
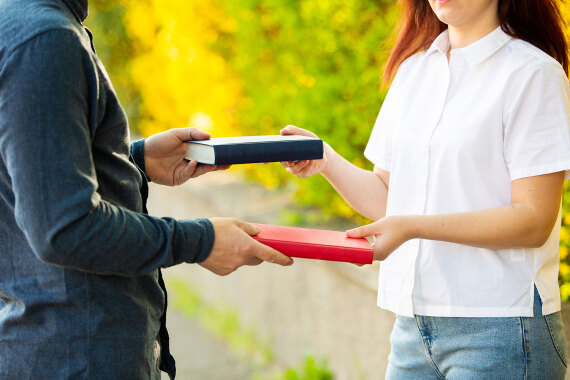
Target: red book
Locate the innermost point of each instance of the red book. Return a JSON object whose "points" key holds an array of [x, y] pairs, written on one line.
{"points": [[316, 244]]}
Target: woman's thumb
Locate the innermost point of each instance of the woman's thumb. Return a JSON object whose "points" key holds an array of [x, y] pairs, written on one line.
{"points": [[360, 232]]}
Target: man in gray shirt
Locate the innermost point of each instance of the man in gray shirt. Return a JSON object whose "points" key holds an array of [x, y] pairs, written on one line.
{"points": [[81, 294]]}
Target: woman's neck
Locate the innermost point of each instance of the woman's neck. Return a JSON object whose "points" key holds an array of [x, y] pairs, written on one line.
{"points": [[469, 32]]}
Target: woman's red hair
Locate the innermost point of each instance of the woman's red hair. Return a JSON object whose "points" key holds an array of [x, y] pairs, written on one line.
{"points": [[538, 22]]}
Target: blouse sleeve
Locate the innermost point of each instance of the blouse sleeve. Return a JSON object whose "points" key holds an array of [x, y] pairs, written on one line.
{"points": [[379, 147], [537, 122]]}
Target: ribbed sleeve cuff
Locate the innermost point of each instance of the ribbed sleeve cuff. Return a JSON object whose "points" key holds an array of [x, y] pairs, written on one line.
{"points": [[137, 154], [199, 236]]}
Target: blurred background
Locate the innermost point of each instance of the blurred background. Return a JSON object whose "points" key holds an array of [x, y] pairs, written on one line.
{"points": [[248, 67]]}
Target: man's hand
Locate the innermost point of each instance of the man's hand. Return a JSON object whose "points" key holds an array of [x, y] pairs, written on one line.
{"points": [[235, 247], [164, 157]]}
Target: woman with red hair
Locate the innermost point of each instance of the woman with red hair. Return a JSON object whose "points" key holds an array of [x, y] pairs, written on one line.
{"points": [[471, 149]]}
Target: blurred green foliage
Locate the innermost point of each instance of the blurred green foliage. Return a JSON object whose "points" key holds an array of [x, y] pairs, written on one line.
{"points": [[115, 49], [311, 370], [313, 64]]}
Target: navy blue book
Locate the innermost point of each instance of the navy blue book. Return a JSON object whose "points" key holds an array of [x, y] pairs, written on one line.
{"points": [[254, 149]]}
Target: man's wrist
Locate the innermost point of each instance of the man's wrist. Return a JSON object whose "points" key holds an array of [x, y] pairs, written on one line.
{"points": [[137, 155]]}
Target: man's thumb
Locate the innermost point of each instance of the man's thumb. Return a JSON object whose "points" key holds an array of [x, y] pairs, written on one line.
{"points": [[249, 228]]}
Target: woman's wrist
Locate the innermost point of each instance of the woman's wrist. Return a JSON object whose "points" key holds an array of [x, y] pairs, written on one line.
{"points": [[328, 154], [413, 224]]}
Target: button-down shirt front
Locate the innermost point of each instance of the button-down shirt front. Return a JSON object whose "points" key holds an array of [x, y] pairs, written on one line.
{"points": [[454, 134]]}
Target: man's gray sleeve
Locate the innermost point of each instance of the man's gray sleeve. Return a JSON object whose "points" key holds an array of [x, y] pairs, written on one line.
{"points": [[45, 141]]}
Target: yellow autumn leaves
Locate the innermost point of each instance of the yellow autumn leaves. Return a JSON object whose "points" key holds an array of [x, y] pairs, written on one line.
{"points": [[181, 81]]}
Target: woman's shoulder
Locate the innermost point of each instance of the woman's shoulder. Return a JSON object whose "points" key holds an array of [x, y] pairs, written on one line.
{"points": [[524, 57], [413, 61], [409, 67]]}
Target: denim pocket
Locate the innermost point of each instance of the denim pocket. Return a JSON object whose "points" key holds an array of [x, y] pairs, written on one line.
{"points": [[556, 330]]}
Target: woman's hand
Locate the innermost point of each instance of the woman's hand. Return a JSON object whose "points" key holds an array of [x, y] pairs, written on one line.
{"points": [[305, 168], [164, 157], [389, 233]]}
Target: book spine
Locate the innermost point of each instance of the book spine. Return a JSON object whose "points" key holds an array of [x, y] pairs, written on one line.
{"points": [[269, 152]]}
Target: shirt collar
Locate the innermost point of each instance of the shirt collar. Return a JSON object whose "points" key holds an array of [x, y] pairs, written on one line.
{"points": [[476, 52], [79, 8], [441, 43]]}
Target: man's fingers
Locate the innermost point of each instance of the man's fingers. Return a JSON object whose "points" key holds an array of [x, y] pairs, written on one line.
{"points": [[262, 251], [201, 169], [252, 261], [190, 133], [192, 169], [196, 134], [248, 228], [271, 255], [222, 167], [188, 171]]}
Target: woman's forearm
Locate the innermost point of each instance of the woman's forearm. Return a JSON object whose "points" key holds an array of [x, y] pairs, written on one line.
{"points": [[362, 189], [513, 226], [526, 223]]}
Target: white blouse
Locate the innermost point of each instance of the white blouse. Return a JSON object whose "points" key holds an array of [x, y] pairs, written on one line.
{"points": [[454, 135]]}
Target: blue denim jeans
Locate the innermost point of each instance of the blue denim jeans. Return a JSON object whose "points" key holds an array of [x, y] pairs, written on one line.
{"points": [[478, 348]]}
